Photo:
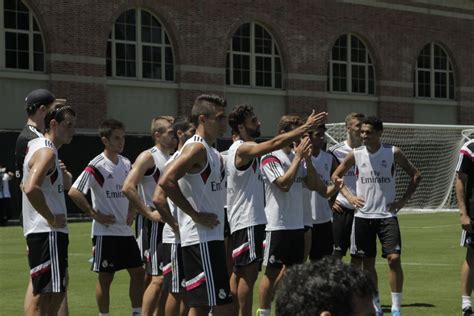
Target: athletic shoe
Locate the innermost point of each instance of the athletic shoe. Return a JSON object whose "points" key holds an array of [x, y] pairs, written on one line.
{"points": [[467, 311], [396, 313]]}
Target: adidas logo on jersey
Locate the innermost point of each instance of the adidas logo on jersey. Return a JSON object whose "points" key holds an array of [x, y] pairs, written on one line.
{"points": [[384, 163], [110, 176]]}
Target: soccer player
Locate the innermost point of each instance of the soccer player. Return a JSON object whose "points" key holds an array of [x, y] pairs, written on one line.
{"points": [[194, 182], [343, 211], [322, 243], [37, 103], [138, 188], [44, 212], [245, 196], [284, 175], [375, 204], [174, 283], [464, 192], [327, 287], [114, 247]]}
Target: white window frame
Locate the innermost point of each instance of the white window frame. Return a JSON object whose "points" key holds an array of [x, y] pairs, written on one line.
{"points": [[253, 56], [349, 63], [138, 49], [31, 32], [448, 71]]}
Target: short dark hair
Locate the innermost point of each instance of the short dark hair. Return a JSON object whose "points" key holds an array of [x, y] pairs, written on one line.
{"points": [[238, 116], [289, 122], [181, 123], [108, 125], [326, 285], [57, 113], [204, 105], [376, 123]]}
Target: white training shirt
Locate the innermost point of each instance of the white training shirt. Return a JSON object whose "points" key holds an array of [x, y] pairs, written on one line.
{"points": [[105, 180], [169, 236], [203, 190], [284, 210], [319, 206], [245, 193], [147, 185], [375, 181], [340, 151], [52, 188]]}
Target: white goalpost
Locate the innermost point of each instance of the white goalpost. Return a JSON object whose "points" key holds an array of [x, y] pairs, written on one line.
{"points": [[433, 149]]}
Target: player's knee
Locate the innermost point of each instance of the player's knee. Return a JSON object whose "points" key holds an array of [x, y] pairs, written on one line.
{"points": [[394, 260], [106, 278]]}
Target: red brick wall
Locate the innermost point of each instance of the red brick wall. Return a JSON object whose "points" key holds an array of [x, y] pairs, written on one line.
{"points": [[305, 32]]}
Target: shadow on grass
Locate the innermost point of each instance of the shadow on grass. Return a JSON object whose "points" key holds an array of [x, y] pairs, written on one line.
{"points": [[387, 308]]}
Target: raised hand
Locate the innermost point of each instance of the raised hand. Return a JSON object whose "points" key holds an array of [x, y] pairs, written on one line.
{"points": [[207, 219]]}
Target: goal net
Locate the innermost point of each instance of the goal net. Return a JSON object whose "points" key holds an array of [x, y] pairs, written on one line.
{"points": [[433, 149]]}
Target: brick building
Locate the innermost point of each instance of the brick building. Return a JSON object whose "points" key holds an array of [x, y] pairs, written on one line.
{"points": [[406, 61]]}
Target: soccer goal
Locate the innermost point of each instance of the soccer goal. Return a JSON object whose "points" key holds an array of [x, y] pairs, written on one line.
{"points": [[433, 149]]}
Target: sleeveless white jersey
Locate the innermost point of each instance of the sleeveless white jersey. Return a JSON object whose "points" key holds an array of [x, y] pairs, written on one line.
{"points": [[147, 186], [319, 206], [340, 151], [284, 210], [169, 236], [203, 190], [245, 194], [105, 180], [375, 181], [52, 188]]}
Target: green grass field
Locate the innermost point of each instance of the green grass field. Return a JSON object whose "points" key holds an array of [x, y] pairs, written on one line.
{"points": [[431, 262]]}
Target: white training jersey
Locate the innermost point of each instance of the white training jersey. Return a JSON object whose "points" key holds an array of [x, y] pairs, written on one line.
{"points": [[318, 205], [169, 236], [245, 194], [203, 190], [375, 181], [147, 186], [284, 210], [52, 188], [340, 151], [105, 180]]}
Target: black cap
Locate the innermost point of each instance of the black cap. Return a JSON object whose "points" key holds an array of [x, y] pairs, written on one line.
{"points": [[38, 97]]}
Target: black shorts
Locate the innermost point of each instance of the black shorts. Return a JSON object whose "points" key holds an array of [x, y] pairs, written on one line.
{"points": [[467, 239], [47, 257], [322, 243], [226, 224], [342, 229], [247, 245], [154, 255], [366, 232], [114, 253], [142, 234], [306, 228], [284, 247], [173, 270], [205, 270]]}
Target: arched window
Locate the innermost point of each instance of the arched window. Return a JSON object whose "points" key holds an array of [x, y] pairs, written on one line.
{"points": [[434, 77], [139, 47], [350, 67], [21, 41], [253, 58]]}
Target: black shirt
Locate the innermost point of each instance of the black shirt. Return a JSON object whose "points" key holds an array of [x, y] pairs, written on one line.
{"points": [[466, 166], [28, 133]]}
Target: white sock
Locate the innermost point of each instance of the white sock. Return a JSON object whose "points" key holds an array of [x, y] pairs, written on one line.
{"points": [[263, 312], [376, 302], [466, 301], [103, 314], [396, 301]]}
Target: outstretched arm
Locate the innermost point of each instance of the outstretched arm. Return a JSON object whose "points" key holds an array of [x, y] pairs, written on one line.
{"points": [[250, 150]]}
